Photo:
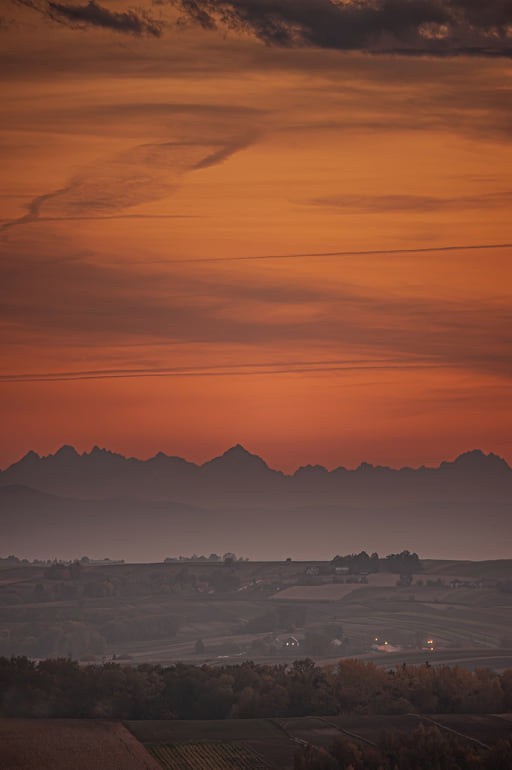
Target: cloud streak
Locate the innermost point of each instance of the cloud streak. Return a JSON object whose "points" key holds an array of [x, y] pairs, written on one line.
{"points": [[93, 306], [376, 204], [143, 174], [243, 369], [435, 27]]}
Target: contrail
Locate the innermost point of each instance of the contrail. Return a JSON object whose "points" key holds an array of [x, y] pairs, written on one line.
{"points": [[229, 370], [341, 253]]}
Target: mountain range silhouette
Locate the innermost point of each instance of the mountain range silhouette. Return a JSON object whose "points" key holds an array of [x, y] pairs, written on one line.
{"points": [[100, 502]]}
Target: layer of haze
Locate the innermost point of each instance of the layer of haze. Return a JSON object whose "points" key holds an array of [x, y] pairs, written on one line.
{"points": [[137, 168]]}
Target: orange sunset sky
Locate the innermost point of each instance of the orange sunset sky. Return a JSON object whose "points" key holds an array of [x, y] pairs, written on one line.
{"points": [[150, 158]]}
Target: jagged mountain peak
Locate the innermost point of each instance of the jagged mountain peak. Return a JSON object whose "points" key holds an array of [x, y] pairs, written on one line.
{"points": [[365, 467], [65, 451], [164, 461], [104, 473], [238, 450], [237, 456], [30, 457], [311, 470], [475, 459], [99, 455], [99, 451]]}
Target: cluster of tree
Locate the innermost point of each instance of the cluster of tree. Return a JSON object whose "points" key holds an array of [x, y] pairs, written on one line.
{"points": [[72, 638], [61, 688], [404, 562], [82, 635], [426, 747], [227, 557], [14, 561], [358, 562]]}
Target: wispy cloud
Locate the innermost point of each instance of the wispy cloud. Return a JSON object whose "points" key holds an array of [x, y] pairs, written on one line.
{"points": [[375, 204], [436, 27], [96, 306]]}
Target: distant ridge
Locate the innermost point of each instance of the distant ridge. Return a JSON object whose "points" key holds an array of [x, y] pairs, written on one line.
{"points": [[101, 502], [239, 455], [239, 477]]}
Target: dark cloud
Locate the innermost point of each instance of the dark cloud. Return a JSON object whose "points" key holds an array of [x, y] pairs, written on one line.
{"points": [[95, 15], [436, 27], [92, 14]]}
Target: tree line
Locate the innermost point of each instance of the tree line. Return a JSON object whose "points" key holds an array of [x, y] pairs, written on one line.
{"points": [[63, 688], [404, 562]]}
